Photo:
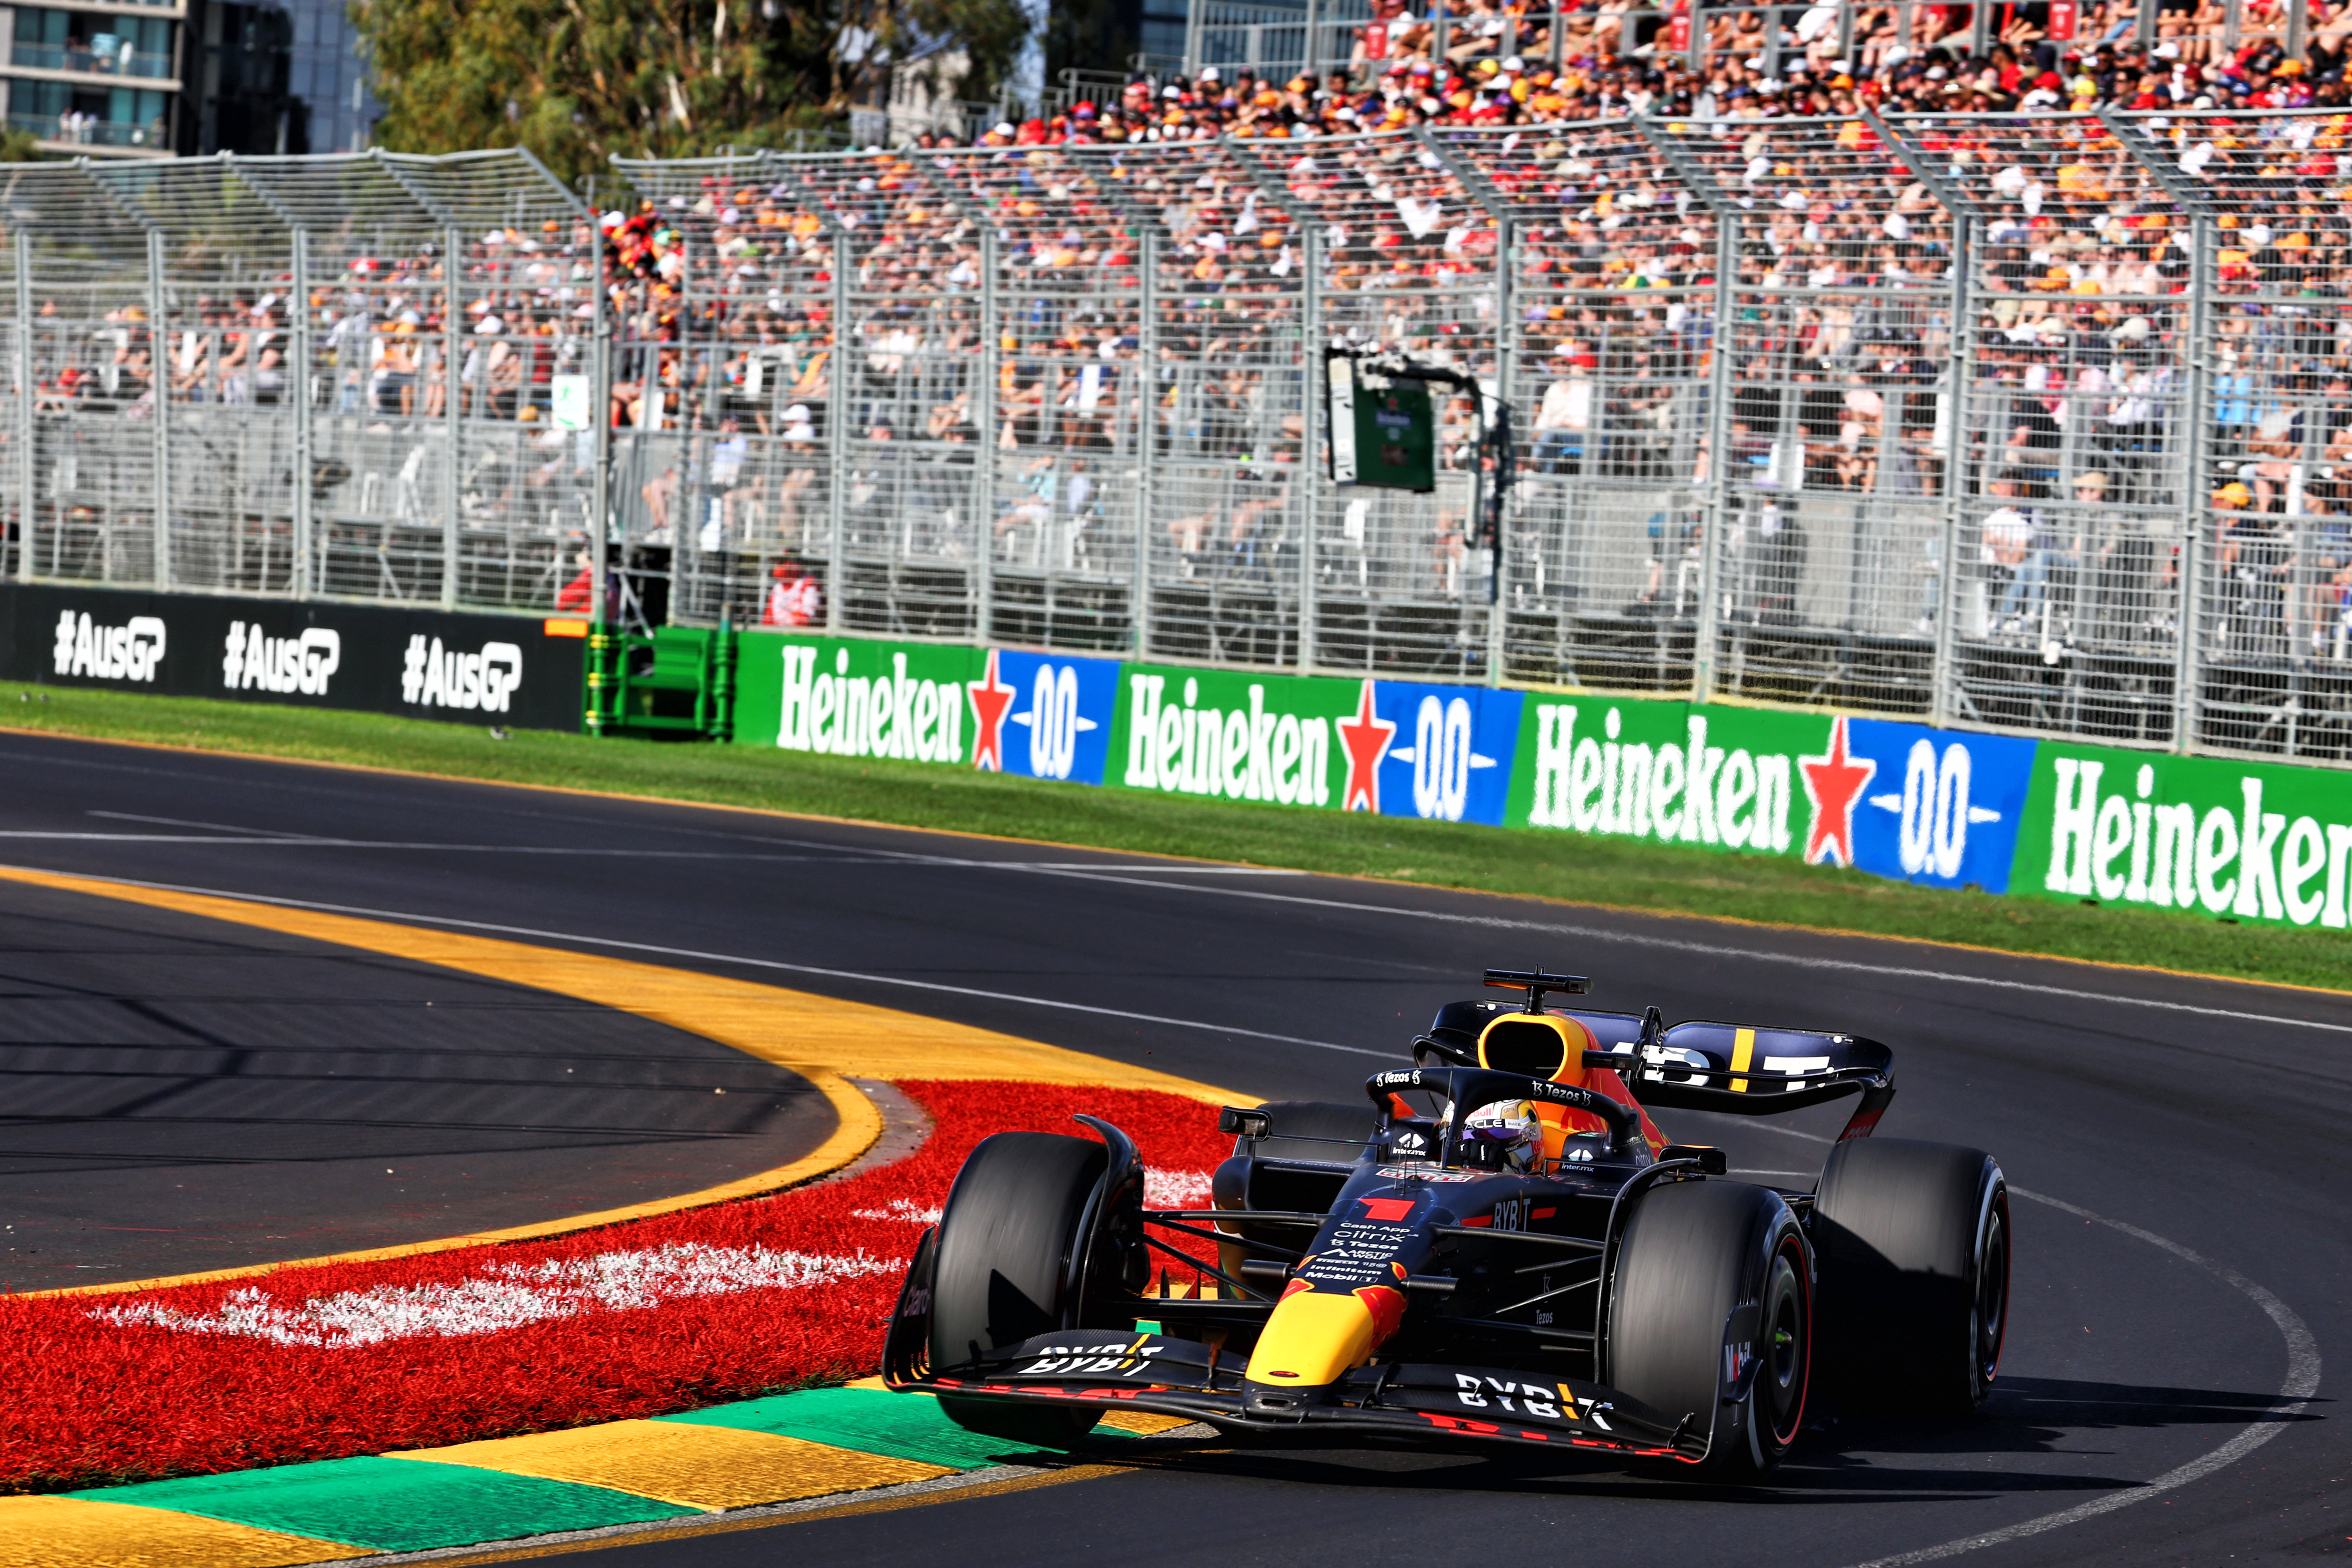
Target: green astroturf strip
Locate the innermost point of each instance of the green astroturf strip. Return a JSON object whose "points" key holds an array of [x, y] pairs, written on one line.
{"points": [[393, 1505], [902, 1426]]}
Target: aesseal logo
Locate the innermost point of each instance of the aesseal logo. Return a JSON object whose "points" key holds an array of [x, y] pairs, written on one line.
{"points": [[250, 659], [433, 676], [132, 651]]}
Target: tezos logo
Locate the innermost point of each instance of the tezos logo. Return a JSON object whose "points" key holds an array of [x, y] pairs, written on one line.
{"points": [[436, 677], [132, 651], [300, 664]]}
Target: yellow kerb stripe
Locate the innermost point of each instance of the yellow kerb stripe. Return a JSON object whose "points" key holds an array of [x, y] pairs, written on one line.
{"points": [[75, 1532], [678, 1462], [1743, 1052], [819, 1037]]}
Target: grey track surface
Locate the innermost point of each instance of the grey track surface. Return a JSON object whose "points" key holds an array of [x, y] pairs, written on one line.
{"points": [[2126, 1362], [177, 1094]]}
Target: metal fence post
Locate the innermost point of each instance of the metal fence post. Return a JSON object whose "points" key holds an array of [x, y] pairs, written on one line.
{"points": [[1702, 185], [453, 405], [1147, 428], [2189, 675], [992, 351], [600, 411], [28, 480], [836, 434], [1709, 628], [1312, 335], [305, 462], [1505, 336], [1958, 359], [163, 431]]}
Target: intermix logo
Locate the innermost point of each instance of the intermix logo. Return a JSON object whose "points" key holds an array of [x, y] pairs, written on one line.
{"points": [[132, 651], [433, 676], [300, 664]]}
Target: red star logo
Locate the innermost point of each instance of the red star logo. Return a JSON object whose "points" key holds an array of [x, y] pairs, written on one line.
{"points": [[1833, 783], [1366, 737], [990, 699]]}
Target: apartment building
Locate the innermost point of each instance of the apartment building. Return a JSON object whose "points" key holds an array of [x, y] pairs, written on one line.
{"points": [[147, 78]]}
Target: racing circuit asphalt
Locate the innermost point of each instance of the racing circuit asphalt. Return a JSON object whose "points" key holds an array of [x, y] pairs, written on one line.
{"points": [[2178, 1146]]}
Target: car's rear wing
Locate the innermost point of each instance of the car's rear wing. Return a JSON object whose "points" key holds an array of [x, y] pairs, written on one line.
{"points": [[1751, 1071], [1702, 1065]]}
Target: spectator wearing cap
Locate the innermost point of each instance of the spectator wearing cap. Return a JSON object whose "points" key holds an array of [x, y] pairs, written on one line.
{"points": [[2256, 563]]}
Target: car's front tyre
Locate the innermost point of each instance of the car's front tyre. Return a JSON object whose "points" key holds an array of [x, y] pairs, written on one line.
{"points": [[1002, 1268]]}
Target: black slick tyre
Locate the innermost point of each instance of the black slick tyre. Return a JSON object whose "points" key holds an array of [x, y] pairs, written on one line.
{"points": [[1710, 1319], [1006, 1240], [1914, 1241]]}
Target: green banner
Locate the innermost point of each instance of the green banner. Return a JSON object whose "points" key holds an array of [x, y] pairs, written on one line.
{"points": [[1722, 778], [1240, 736], [850, 696], [2238, 841]]}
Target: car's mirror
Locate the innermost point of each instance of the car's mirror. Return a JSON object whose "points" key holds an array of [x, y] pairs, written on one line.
{"points": [[1234, 1121]]}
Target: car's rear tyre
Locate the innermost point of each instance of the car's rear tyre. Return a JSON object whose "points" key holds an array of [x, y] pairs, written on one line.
{"points": [[1914, 1240], [1706, 1268], [1003, 1267], [1312, 1130]]}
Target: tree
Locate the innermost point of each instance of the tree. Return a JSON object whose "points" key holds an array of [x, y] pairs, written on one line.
{"points": [[579, 80]]}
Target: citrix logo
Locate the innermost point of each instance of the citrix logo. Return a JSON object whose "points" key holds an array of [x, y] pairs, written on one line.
{"points": [[132, 651], [435, 677], [300, 664]]}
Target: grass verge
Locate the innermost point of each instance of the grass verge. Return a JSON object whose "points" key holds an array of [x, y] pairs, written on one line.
{"points": [[1660, 877]]}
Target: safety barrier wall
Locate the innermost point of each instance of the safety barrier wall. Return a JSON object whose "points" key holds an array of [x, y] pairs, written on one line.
{"points": [[2038, 424], [418, 663], [2262, 843]]}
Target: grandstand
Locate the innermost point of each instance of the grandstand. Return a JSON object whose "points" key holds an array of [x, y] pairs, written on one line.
{"points": [[2030, 417]]}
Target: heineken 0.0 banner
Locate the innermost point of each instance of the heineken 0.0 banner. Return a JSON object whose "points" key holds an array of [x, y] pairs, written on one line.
{"points": [[1058, 713], [1044, 715], [1280, 738], [1899, 800], [846, 697], [2243, 841]]}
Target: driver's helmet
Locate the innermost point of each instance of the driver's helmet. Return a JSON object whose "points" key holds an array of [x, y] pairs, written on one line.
{"points": [[1512, 1126]]}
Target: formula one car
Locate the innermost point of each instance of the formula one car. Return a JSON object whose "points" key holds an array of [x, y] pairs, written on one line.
{"points": [[1500, 1246]]}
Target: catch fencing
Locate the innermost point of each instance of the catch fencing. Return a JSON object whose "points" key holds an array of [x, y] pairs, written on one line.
{"points": [[2040, 423]]}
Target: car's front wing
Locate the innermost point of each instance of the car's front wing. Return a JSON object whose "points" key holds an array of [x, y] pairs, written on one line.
{"points": [[1181, 1377]]}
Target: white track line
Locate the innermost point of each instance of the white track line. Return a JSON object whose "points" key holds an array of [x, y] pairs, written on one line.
{"points": [[1093, 872], [1717, 950], [725, 958], [2301, 1383]]}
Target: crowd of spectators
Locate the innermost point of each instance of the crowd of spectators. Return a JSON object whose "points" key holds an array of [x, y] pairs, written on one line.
{"points": [[1516, 64], [797, 341]]}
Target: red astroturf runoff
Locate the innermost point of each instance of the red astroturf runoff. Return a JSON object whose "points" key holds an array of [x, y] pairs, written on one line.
{"points": [[94, 1399]]}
